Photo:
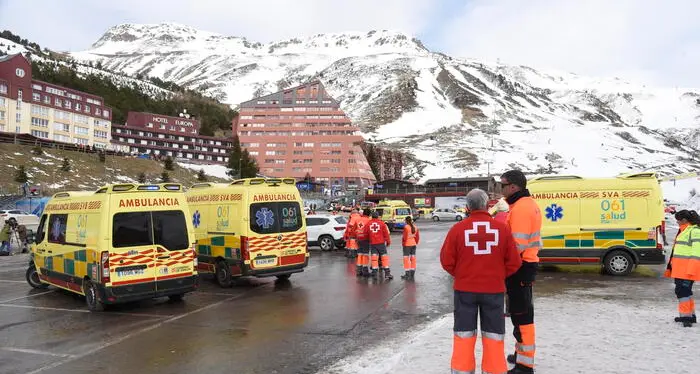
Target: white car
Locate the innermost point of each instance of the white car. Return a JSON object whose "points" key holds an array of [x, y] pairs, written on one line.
{"points": [[326, 231], [447, 215], [30, 221]]}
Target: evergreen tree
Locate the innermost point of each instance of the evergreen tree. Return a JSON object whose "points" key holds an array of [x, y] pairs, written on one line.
{"points": [[168, 164], [164, 177], [240, 163], [201, 176], [37, 150], [249, 168], [141, 177], [66, 165], [103, 157], [21, 175]]}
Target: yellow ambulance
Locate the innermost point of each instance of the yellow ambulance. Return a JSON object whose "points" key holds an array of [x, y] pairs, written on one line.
{"points": [[615, 222], [251, 227], [394, 213], [124, 242]]}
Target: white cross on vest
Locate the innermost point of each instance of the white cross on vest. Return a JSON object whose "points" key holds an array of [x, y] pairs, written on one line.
{"points": [[374, 227]]}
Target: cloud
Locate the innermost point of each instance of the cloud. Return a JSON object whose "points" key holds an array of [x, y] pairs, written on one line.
{"points": [[648, 39], [76, 24]]}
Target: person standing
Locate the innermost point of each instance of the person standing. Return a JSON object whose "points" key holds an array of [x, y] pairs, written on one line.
{"points": [[525, 223], [350, 235], [362, 262], [379, 240], [684, 264], [410, 240], [479, 252]]}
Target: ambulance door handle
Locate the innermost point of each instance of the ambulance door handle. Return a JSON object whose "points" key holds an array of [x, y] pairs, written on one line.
{"points": [[163, 257], [50, 251]]}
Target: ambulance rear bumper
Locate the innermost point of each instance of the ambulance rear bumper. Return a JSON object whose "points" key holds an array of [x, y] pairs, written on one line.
{"points": [[272, 272], [148, 290], [651, 256]]}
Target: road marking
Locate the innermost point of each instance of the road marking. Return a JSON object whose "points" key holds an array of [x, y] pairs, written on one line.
{"points": [[147, 315], [133, 334], [7, 270], [12, 281], [26, 297], [35, 352]]}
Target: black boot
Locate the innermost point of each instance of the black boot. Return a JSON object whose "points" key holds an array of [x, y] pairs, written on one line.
{"points": [[387, 274], [365, 272], [693, 319], [520, 369], [358, 271], [413, 274], [687, 323], [511, 358], [407, 275], [375, 273]]}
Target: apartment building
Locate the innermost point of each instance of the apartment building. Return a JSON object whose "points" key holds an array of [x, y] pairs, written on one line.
{"points": [[156, 134], [49, 111], [302, 131]]}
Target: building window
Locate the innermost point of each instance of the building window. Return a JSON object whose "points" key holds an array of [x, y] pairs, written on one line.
{"points": [[38, 110], [36, 96], [2, 101], [3, 89], [61, 127], [58, 102], [19, 94], [61, 138], [162, 127], [101, 134], [79, 118], [40, 134], [18, 117], [81, 130], [261, 102], [63, 115], [77, 106], [81, 141], [67, 104], [105, 114], [2, 115], [87, 108], [149, 125], [47, 99]]}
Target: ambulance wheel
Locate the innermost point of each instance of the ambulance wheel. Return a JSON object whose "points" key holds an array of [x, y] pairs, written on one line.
{"points": [[176, 298], [618, 263], [223, 274], [34, 280], [92, 298], [326, 243], [284, 277]]}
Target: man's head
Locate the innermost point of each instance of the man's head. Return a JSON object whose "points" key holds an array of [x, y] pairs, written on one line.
{"points": [[512, 181], [477, 200], [367, 212], [375, 214], [354, 210]]}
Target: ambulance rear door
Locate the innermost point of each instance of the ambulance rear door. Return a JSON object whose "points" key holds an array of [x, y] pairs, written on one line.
{"points": [[277, 238]]}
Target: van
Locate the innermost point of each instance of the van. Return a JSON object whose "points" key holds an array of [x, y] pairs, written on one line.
{"points": [[250, 227], [394, 213], [122, 243], [615, 222]]}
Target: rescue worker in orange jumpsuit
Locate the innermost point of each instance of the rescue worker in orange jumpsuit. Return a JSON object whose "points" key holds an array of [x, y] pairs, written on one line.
{"points": [[409, 241], [379, 240], [525, 223], [350, 235], [362, 262], [684, 264], [479, 252]]}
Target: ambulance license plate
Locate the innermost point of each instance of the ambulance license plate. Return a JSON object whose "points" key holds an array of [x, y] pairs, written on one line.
{"points": [[266, 261], [129, 273]]}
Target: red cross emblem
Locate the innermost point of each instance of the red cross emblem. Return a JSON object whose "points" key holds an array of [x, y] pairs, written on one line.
{"points": [[481, 237], [374, 227]]}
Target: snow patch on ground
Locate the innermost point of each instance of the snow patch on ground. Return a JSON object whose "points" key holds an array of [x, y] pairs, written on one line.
{"points": [[595, 335], [218, 171]]}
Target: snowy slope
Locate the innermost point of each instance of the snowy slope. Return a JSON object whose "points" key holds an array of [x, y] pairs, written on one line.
{"points": [[442, 110]]}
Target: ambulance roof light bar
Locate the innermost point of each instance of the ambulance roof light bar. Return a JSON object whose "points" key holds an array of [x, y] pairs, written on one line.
{"points": [[556, 177]]}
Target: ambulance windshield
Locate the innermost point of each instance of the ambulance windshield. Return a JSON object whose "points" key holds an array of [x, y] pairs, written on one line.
{"points": [[275, 217], [135, 229]]}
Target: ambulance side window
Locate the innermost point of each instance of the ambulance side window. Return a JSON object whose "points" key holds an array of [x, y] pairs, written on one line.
{"points": [[57, 228], [40, 231], [170, 230], [131, 229]]}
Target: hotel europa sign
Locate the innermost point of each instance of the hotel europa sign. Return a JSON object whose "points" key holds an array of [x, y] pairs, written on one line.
{"points": [[169, 121]]}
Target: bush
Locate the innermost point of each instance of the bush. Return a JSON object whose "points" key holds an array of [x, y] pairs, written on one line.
{"points": [[201, 176], [168, 164], [103, 157], [21, 175], [66, 165], [141, 178], [37, 150], [164, 177]]}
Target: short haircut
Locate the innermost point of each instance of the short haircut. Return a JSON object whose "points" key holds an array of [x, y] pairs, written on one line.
{"points": [[367, 212], [515, 177], [477, 199]]}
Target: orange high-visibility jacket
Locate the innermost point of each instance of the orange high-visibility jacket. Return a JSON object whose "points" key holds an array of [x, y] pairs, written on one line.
{"points": [[410, 239], [351, 228], [360, 232], [525, 222]]}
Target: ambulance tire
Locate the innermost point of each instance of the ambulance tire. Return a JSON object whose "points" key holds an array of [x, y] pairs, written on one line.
{"points": [[92, 298], [618, 263], [283, 277], [223, 275], [176, 298], [33, 279]]}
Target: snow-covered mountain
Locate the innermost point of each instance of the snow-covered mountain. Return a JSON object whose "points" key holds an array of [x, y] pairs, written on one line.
{"points": [[461, 117]]}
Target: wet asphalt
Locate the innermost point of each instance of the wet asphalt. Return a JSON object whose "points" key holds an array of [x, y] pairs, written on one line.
{"points": [[257, 326]]}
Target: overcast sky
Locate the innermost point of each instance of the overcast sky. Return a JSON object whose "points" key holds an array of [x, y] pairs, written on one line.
{"points": [[651, 41]]}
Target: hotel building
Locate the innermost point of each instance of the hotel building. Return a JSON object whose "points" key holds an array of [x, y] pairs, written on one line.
{"points": [[49, 111], [300, 131]]}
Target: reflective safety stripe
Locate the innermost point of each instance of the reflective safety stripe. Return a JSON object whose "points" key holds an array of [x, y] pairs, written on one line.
{"points": [[493, 335], [493, 372], [463, 372], [524, 360], [520, 235], [522, 247], [683, 299], [524, 348], [688, 257], [465, 334]]}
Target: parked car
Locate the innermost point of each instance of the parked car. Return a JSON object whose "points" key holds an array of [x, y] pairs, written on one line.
{"points": [[447, 215], [30, 221], [326, 231]]}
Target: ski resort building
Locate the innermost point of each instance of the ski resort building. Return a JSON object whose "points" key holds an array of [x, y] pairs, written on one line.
{"points": [[49, 111], [302, 131]]}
